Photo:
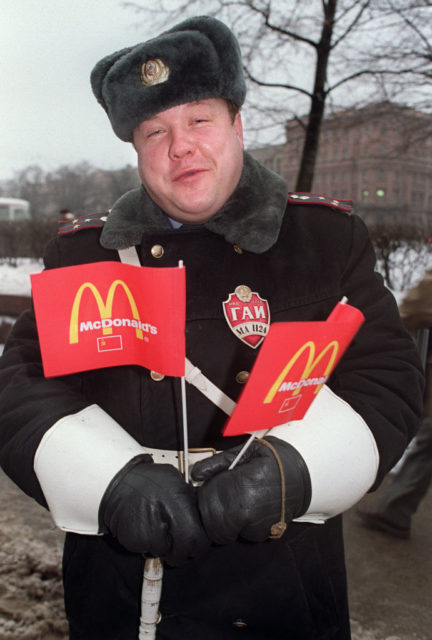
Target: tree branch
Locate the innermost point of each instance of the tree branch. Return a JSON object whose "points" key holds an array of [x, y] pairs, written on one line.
{"points": [[277, 29], [354, 22], [275, 85]]}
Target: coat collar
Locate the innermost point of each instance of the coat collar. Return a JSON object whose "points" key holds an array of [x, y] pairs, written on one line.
{"points": [[251, 218]]}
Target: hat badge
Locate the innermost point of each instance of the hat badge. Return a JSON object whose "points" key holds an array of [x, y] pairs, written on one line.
{"points": [[154, 72]]}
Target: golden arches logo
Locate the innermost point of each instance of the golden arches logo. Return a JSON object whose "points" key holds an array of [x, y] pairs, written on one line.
{"points": [[311, 363], [105, 309]]}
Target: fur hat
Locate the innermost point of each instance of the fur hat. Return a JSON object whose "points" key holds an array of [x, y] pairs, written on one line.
{"points": [[197, 59]]}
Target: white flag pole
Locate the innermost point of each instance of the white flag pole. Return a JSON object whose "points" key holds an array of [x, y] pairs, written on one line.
{"points": [[246, 446], [184, 419], [185, 429], [150, 598], [153, 567]]}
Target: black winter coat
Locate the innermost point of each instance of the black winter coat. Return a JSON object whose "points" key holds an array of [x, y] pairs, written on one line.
{"points": [[302, 260]]}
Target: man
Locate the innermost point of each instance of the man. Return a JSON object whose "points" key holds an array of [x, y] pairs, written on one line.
{"points": [[65, 214], [95, 439], [401, 498]]}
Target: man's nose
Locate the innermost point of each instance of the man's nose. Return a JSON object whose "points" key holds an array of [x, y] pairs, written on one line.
{"points": [[181, 144]]}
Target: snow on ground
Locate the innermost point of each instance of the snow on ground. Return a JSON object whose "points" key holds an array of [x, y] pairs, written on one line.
{"points": [[16, 280]]}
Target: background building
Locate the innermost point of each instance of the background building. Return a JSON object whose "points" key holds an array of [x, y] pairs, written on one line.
{"points": [[379, 156]]}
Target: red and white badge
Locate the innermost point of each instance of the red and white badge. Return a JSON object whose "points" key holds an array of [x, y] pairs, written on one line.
{"points": [[248, 315]]}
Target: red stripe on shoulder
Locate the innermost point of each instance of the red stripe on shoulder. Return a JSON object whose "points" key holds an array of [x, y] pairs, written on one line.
{"points": [[299, 197], [90, 221]]}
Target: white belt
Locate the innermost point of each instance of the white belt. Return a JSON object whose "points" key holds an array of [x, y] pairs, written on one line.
{"points": [[176, 458]]}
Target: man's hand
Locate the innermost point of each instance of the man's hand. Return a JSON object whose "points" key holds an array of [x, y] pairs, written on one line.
{"points": [[151, 510], [247, 500]]}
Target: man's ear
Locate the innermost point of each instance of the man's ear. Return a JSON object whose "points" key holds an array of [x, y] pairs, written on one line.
{"points": [[238, 127]]}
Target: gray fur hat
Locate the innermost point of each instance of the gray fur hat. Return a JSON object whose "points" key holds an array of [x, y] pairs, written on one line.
{"points": [[197, 59]]}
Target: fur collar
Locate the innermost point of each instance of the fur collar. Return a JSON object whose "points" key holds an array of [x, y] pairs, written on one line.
{"points": [[250, 218]]}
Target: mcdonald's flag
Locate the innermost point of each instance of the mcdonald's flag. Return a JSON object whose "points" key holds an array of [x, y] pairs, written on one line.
{"points": [[107, 314], [295, 361]]}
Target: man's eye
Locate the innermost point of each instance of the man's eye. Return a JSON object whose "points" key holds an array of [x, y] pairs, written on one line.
{"points": [[154, 133]]}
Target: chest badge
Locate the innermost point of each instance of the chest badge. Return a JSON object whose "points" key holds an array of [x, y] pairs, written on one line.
{"points": [[247, 315]]}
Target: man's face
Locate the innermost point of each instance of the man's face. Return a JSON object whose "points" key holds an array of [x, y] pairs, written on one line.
{"points": [[190, 158]]}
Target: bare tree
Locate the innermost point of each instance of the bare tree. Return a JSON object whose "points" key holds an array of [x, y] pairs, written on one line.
{"points": [[402, 251], [118, 181], [303, 57], [29, 185], [402, 55], [81, 188], [71, 187]]}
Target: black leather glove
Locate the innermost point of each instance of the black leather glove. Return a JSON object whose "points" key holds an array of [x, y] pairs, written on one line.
{"points": [[151, 510], [247, 501]]}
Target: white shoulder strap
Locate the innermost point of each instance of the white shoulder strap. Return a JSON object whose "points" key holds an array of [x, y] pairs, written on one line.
{"points": [[129, 256], [193, 375]]}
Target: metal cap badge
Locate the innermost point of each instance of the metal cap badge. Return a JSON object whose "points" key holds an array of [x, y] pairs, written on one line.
{"points": [[154, 72]]}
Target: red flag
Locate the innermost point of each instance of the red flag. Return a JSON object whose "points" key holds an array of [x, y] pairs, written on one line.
{"points": [[108, 314], [295, 361]]}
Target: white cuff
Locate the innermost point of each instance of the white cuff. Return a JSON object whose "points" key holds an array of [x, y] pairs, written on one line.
{"points": [[339, 451], [75, 462]]}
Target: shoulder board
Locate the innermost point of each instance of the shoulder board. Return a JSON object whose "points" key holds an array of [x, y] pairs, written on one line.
{"points": [[90, 221], [315, 198]]}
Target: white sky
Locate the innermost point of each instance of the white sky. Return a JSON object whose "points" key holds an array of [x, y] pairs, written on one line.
{"points": [[48, 114]]}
